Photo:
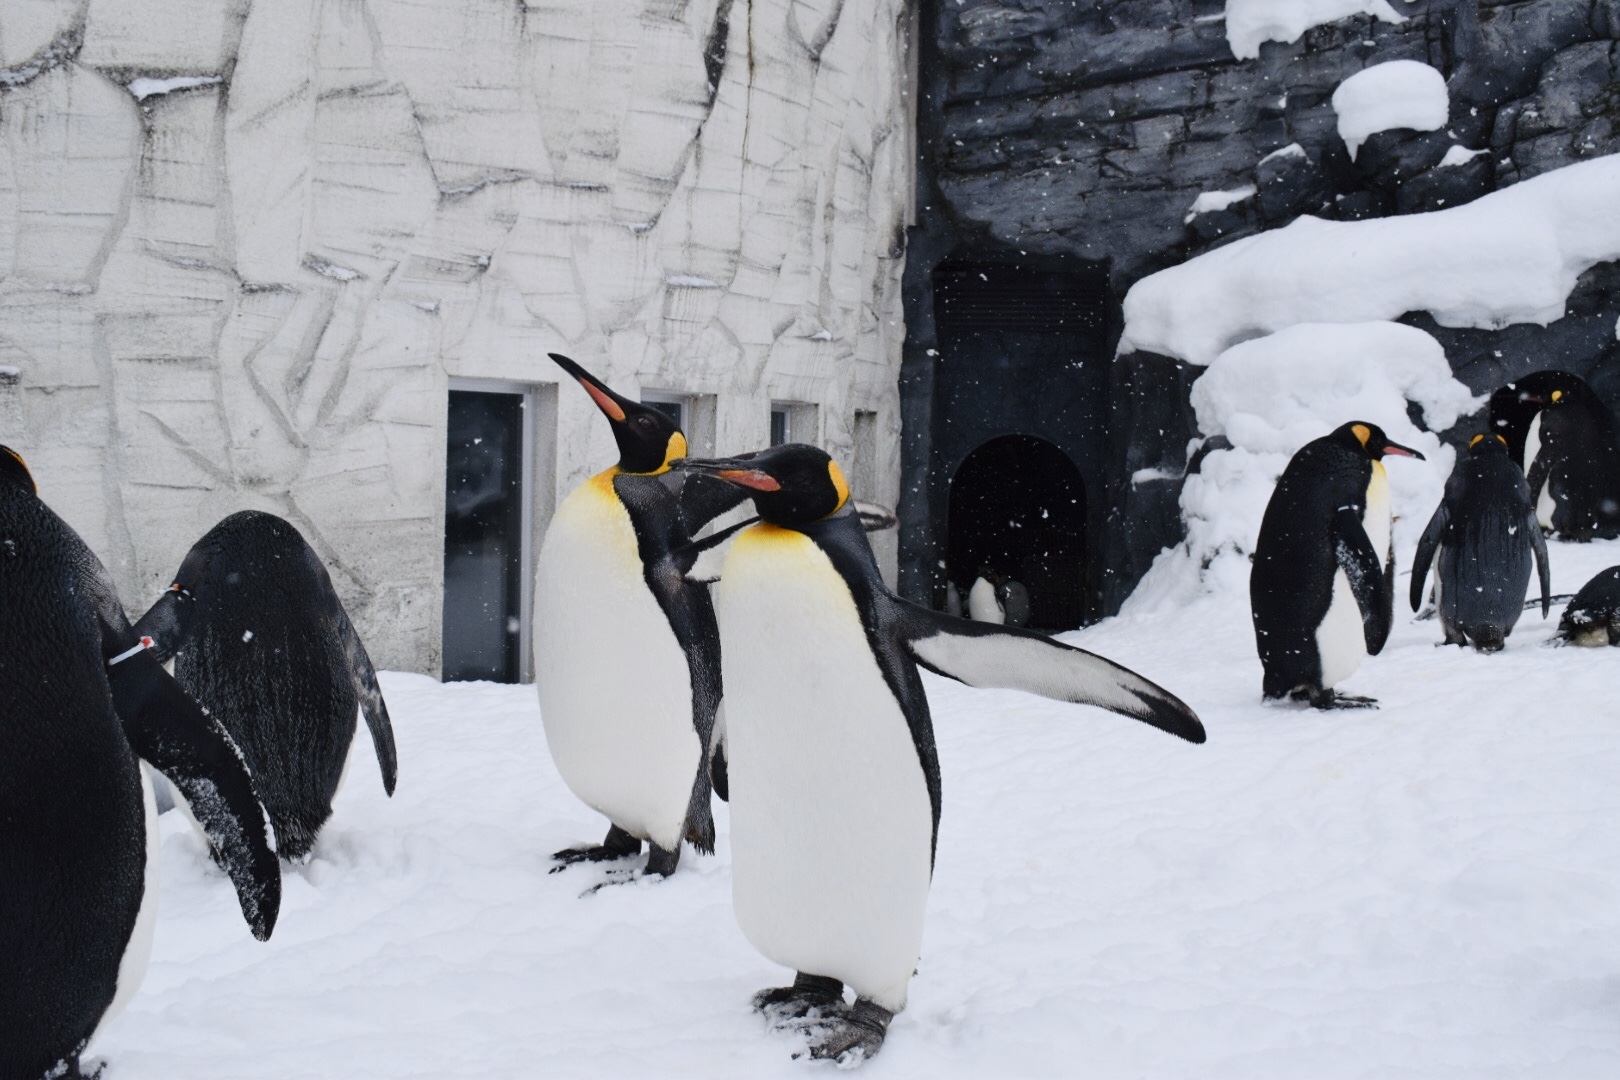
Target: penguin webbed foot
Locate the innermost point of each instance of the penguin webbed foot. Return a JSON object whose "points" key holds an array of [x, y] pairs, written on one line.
{"points": [[851, 1036], [1331, 699], [618, 845], [795, 1002], [662, 862]]}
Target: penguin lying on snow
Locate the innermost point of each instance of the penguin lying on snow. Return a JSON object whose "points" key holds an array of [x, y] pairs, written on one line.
{"points": [[1593, 616], [260, 638], [1321, 589], [80, 700], [827, 748], [1484, 532], [611, 594], [1570, 450]]}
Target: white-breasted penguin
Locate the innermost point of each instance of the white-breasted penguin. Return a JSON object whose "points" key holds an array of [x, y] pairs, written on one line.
{"points": [[81, 699], [1480, 540], [1321, 590], [627, 655], [260, 638], [828, 748]]}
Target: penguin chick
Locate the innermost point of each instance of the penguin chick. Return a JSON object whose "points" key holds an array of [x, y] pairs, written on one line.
{"points": [[260, 638], [1481, 539], [828, 745], [627, 655], [1321, 588]]}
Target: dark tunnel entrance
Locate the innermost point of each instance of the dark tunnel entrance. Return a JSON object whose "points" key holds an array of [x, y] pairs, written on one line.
{"points": [[1018, 510]]}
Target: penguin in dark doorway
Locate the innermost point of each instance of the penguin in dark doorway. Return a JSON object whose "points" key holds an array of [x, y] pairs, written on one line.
{"points": [[828, 748], [1321, 588], [82, 701], [1481, 539], [260, 638], [627, 655], [1593, 616], [1570, 449]]}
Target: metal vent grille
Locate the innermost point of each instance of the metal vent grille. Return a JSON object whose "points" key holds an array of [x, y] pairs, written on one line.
{"points": [[970, 299]]}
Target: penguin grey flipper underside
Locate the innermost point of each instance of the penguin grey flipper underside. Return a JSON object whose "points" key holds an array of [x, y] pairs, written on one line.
{"points": [[1428, 544], [168, 729], [1011, 658], [364, 676], [1361, 565], [1538, 544]]}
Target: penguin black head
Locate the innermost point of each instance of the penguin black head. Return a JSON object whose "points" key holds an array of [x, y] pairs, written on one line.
{"points": [[14, 470], [648, 439], [1485, 445], [792, 485], [1371, 440]]}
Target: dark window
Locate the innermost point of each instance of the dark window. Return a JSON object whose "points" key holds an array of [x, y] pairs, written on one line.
{"points": [[483, 537], [779, 426], [675, 410]]}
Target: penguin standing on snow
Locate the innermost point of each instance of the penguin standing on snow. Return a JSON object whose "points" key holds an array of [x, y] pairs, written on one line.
{"points": [[1569, 447], [828, 748], [1321, 589], [1593, 616], [627, 655], [260, 638], [1480, 540], [81, 700]]}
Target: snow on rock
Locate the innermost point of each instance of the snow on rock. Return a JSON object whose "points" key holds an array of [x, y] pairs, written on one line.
{"points": [[1272, 395], [1211, 201], [1250, 23], [145, 88], [1397, 94], [1511, 256], [1459, 155]]}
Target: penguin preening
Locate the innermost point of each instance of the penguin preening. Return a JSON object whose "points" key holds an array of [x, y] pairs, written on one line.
{"points": [[1481, 539], [828, 747], [627, 654], [1321, 588], [82, 700], [260, 638], [1593, 615], [1568, 443]]}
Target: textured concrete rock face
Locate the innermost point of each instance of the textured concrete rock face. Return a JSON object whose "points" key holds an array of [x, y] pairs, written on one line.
{"points": [[244, 246], [1089, 131]]}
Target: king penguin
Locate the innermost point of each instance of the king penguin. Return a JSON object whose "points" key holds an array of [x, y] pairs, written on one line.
{"points": [[1481, 539], [81, 700], [828, 749], [627, 655], [1593, 614], [1568, 443], [260, 638], [1322, 586]]}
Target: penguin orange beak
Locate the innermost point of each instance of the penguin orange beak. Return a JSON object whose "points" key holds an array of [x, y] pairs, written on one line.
{"points": [[732, 471], [1403, 451], [611, 404]]}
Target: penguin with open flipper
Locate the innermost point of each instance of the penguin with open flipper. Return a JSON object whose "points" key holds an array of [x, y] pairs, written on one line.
{"points": [[1593, 614], [82, 702], [827, 747], [260, 638], [1568, 442], [1321, 589], [612, 582], [1481, 540]]}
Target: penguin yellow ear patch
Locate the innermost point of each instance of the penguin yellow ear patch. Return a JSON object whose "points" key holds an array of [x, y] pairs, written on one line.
{"points": [[1475, 441], [1558, 395], [1501, 440], [839, 484], [1362, 432], [676, 449]]}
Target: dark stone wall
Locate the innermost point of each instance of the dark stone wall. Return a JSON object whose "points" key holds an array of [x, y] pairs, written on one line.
{"points": [[1084, 131]]}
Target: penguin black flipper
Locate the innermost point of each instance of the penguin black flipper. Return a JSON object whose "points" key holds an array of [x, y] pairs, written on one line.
{"points": [[1365, 571], [1428, 544], [702, 498], [168, 729], [717, 756], [1538, 544], [1011, 658], [372, 705]]}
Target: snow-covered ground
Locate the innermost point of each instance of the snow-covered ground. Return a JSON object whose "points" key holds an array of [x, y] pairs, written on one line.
{"points": [[1428, 890]]}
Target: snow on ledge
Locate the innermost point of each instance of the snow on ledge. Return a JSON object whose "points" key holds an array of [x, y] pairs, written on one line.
{"points": [[1250, 23], [1397, 94], [1210, 201], [1459, 155], [1508, 257], [144, 88]]}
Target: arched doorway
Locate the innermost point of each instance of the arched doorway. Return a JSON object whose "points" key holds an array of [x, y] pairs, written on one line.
{"points": [[1018, 509]]}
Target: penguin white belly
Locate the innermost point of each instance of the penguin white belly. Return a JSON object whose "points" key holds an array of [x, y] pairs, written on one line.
{"points": [[1341, 642], [138, 951], [1542, 496], [982, 603], [831, 824], [615, 689], [1545, 505]]}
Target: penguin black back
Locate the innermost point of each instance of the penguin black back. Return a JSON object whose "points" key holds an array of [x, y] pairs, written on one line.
{"points": [[1593, 615], [259, 636], [1578, 465], [1481, 539]]}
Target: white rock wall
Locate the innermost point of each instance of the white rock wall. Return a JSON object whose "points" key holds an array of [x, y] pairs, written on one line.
{"points": [[253, 292]]}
